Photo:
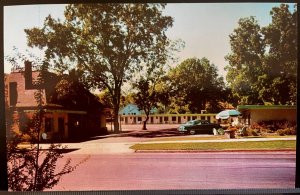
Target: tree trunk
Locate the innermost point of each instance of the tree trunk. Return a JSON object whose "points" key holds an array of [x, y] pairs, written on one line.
{"points": [[116, 122], [145, 122], [116, 106]]}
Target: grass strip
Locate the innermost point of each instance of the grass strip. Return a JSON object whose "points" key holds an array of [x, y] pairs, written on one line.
{"points": [[219, 137], [253, 145]]}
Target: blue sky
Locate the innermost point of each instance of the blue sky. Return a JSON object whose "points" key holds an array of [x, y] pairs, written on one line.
{"points": [[204, 28]]}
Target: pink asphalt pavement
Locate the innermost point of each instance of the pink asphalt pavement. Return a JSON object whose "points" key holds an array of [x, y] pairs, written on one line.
{"points": [[111, 165], [140, 171]]}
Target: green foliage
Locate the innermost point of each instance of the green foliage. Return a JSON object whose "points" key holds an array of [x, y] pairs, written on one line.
{"points": [[245, 60], [195, 83], [145, 98], [262, 63], [108, 42], [105, 99], [163, 95], [220, 131]]}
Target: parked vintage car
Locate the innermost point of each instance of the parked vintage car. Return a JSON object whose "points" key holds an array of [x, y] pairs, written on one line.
{"points": [[199, 126]]}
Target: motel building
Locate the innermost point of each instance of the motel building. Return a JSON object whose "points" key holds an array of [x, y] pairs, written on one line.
{"points": [[130, 114], [167, 118]]}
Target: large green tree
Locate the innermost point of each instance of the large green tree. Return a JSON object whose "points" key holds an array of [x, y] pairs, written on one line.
{"points": [[262, 63], [245, 61], [280, 63], [145, 98], [164, 94], [196, 83], [107, 42]]}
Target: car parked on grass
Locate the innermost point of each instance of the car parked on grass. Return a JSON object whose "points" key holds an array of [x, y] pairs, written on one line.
{"points": [[198, 126]]}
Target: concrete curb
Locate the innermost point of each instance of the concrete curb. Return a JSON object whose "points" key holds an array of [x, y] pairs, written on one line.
{"points": [[220, 140]]}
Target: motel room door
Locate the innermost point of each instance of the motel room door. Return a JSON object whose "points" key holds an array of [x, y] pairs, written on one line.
{"points": [[61, 127], [74, 124]]}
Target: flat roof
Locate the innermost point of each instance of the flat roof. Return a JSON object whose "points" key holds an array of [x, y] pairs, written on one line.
{"points": [[257, 107]]}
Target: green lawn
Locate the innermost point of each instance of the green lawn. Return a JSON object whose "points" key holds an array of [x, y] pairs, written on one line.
{"points": [[183, 138], [218, 137], [244, 145]]}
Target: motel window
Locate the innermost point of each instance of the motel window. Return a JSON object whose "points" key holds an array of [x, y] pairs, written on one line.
{"points": [[208, 118], [202, 117], [194, 117], [166, 118], [139, 118], [173, 118], [122, 119]]}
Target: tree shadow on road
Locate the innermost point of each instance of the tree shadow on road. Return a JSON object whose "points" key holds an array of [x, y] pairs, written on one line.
{"points": [[152, 134], [134, 133], [64, 150]]}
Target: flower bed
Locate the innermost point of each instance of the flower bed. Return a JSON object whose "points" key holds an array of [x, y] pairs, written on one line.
{"points": [[279, 127]]}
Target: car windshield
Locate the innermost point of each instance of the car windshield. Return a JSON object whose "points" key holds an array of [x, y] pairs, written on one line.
{"points": [[193, 122]]}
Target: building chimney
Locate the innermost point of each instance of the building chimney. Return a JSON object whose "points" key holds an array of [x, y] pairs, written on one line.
{"points": [[28, 75]]}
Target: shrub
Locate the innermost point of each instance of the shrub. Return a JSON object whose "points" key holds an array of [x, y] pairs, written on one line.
{"points": [[25, 173], [286, 131], [272, 126], [221, 131], [252, 132]]}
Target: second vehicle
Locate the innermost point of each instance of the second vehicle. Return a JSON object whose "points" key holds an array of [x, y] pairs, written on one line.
{"points": [[199, 126]]}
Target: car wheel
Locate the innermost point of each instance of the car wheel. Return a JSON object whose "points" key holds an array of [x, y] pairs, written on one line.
{"points": [[215, 132], [192, 132]]}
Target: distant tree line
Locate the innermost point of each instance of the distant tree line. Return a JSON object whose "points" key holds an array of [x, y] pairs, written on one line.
{"points": [[262, 70]]}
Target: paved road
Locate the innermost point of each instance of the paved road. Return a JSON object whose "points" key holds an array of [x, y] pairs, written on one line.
{"points": [[140, 171], [111, 165]]}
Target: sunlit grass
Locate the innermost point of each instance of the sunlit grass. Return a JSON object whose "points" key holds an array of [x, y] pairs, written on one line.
{"points": [[219, 137], [253, 145], [271, 136]]}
